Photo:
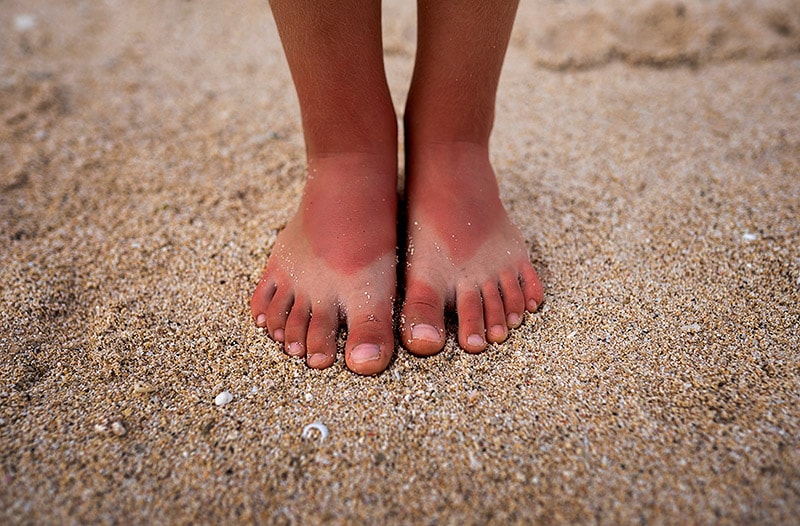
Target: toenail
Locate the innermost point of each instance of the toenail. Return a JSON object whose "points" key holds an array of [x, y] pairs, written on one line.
{"points": [[279, 335], [425, 332], [514, 319], [366, 352], [497, 330], [261, 320], [475, 340], [295, 349], [317, 360], [532, 306]]}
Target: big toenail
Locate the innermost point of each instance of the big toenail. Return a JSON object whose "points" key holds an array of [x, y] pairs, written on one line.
{"points": [[279, 335], [317, 360], [422, 331], [261, 320], [475, 340], [513, 319], [366, 352], [295, 349]]}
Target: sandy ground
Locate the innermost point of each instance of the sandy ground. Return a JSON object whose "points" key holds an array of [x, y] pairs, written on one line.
{"points": [[650, 152]]}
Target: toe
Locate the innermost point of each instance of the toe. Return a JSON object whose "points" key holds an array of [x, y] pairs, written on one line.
{"points": [[370, 340], [278, 311], [471, 333], [297, 328], [532, 288], [423, 319], [513, 300], [321, 338], [260, 301], [494, 314]]}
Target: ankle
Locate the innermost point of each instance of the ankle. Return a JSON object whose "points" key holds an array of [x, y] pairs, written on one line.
{"points": [[439, 124], [452, 166], [371, 131], [371, 173]]}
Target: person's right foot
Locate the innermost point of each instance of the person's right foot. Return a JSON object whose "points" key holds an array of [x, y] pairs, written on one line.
{"points": [[336, 259]]}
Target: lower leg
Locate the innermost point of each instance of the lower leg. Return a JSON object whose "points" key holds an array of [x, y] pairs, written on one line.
{"points": [[463, 251], [336, 257]]}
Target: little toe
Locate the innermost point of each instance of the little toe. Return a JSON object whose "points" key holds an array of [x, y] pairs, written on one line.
{"points": [[370, 340], [513, 299], [297, 328], [321, 338], [532, 288], [471, 332], [423, 320], [260, 301], [494, 314], [278, 312]]}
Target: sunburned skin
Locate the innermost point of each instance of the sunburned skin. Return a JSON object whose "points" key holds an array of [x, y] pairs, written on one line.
{"points": [[462, 253], [336, 259], [342, 222]]}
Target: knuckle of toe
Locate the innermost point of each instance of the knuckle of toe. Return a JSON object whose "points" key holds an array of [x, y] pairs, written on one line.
{"points": [[275, 320], [421, 304], [318, 344], [370, 325]]}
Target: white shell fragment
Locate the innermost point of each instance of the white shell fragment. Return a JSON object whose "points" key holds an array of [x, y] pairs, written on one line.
{"points": [[118, 429], [322, 428], [24, 22], [143, 388], [223, 398]]}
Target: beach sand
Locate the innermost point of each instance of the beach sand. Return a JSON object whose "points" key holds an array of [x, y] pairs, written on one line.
{"points": [[650, 153]]}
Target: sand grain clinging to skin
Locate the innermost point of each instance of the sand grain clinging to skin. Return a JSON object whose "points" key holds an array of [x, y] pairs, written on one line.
{"points": [[151, 151]]}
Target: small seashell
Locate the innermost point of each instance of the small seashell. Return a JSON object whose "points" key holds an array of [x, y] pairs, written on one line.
{"points": [[24, 22], [118, 429], [100, 428], [472, 397], [319, 426], [474, 463], [223, 398], [143, 388]]}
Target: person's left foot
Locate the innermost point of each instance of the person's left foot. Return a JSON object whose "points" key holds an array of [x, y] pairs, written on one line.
{"points": [[463, 252]]}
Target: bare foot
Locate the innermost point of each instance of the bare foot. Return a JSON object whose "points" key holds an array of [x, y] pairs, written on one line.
{"points": [[463, 252], [334, 261]]}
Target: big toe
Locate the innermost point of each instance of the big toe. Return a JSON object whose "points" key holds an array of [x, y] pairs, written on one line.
{"points": [[370, 341]]}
